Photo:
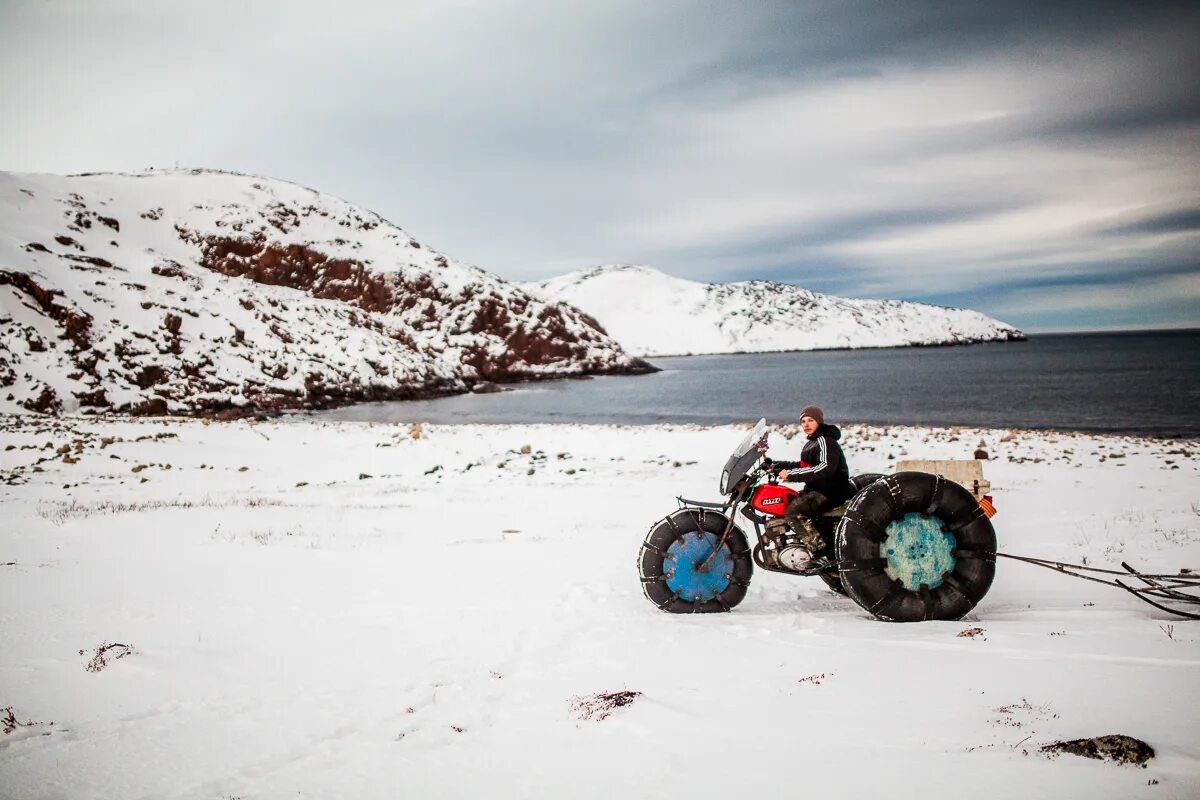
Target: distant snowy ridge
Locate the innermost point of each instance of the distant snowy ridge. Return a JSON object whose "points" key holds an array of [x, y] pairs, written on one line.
{"points": [[654, 314], [195, 291]]}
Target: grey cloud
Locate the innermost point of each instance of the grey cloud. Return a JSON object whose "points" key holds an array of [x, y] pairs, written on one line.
{"points": [[525, 136], [859, 37], [1175, 221], [810, 235], [1115, 122]]}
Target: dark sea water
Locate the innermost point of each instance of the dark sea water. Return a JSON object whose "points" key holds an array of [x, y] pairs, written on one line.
{"points": [[1141, 383]]}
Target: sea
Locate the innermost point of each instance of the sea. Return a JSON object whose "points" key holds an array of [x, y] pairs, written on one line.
{"points": [[1140, 383]]}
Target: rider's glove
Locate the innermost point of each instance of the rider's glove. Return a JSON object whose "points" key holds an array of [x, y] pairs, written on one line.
{"points": [[768, 464]]}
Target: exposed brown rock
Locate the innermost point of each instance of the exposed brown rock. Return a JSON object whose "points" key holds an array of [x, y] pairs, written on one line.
{"points": [[76, 326], [307, 269], [150, 376], [93, 399], [46, 402], [1118, 748], [154, 407], [95, 261], [454, 333], [168, 270], [294, 266]]}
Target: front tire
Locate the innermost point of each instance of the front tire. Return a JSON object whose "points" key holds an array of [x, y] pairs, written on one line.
{"points": [[676, 572]]}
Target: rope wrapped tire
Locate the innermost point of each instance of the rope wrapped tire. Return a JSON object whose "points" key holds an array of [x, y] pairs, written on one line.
{"points": [[677, 574], [914, 546], [832, 579]]}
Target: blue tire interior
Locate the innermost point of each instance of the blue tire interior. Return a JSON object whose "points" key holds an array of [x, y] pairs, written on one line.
{"points": [[918, 551], [687, 575]]}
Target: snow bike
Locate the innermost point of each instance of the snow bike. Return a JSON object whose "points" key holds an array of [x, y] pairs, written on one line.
{"points": [[907, 547]]}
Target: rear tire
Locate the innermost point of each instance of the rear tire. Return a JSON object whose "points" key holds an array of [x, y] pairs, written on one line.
{"points": [[677, 575], [914, 546]]}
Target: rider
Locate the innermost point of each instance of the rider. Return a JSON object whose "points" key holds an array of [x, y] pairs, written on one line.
{"points": [[822, 467]]}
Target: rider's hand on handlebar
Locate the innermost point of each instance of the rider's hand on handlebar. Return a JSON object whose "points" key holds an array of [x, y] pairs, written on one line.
{"points": [[783, 475]]}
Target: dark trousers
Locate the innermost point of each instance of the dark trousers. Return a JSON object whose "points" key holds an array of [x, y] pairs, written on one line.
{"points": [[799, 514]]}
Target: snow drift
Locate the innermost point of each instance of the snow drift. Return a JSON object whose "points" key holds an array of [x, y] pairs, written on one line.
{"points": [[200, 291], [654, 314]]}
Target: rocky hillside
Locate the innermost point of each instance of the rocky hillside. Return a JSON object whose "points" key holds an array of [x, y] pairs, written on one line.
{"points": [[654, 314], [208, 292]]}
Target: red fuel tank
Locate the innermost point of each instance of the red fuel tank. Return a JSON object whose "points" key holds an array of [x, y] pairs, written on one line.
{"points": [[771, 498]]}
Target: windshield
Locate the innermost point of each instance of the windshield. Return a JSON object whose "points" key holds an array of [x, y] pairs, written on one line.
{"points": [[745, 456]]}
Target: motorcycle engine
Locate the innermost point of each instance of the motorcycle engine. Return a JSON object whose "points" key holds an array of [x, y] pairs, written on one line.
{"points": [[794, 557], [782, 547]]}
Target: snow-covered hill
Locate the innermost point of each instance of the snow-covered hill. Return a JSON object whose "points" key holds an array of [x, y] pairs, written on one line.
{"points": [[191, 291], [654, 314]]}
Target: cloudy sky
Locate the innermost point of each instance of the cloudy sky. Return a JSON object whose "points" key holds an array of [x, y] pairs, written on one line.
{"points": [[1037, 161]]}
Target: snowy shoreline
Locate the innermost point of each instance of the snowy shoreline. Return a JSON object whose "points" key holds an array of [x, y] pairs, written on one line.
{"points": [[964, 342], [373, 609]]}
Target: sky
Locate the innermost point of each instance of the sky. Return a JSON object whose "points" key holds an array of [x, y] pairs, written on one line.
{"points": [[1036, 161]]}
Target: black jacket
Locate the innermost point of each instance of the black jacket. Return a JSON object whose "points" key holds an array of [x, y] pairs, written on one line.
{"points": [[822, 465]]}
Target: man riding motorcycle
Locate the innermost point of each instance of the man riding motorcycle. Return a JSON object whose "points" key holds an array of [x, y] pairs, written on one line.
{"points": [[822, 468]]}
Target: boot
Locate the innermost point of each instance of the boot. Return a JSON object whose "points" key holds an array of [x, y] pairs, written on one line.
{"points": [[810, 537]]}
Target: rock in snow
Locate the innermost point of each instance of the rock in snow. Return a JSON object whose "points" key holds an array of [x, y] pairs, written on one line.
{"points": [[654, 314], [198, 291]]}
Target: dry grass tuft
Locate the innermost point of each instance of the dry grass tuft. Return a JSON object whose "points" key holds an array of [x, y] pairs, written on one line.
{"points": [[61, 513], [601, 705], [105, 653]]}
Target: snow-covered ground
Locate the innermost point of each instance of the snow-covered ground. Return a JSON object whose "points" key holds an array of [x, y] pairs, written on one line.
{"points": [[353, 610]]}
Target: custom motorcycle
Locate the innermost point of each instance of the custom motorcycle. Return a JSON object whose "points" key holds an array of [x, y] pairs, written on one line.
{"points": [[907, 547]]}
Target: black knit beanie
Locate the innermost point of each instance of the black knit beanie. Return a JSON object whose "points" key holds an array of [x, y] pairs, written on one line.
{"points": [[815, 413]]}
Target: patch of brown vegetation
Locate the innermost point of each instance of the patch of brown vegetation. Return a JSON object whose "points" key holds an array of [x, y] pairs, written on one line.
{"points": [[9, 721], [601, 705], [106, 653]]}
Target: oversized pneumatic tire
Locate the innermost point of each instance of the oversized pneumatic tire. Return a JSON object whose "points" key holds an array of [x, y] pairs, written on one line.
{"points": [[672, 563], [914, 546], [860, 482], [832, 579]]}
